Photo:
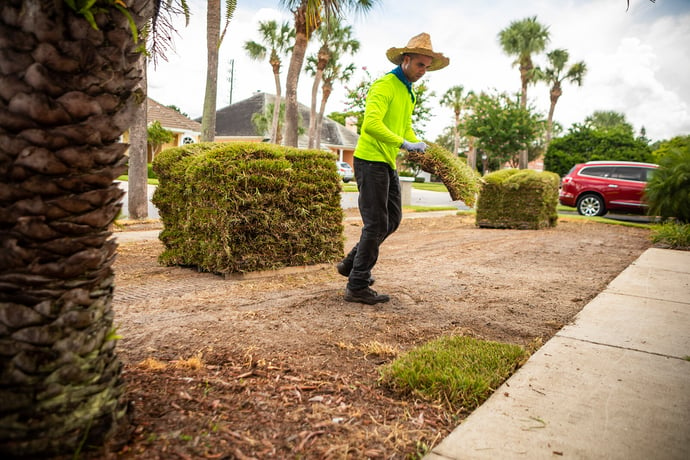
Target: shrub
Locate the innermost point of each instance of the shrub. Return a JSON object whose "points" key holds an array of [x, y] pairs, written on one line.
{"points": [[583, 144], [150, 172], [671, 235], [244, 207], [518, 198], [668, 191]]}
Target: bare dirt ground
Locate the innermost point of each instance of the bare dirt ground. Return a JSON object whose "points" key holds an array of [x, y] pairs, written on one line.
{"points": [[283, 367]]}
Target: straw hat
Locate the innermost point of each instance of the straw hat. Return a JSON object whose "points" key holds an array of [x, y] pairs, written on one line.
{"points": [[419, 44]]}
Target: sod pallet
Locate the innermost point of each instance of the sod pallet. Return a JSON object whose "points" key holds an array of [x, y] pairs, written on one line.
{"points": [[247, 207], [463, 183], [518, 199]]}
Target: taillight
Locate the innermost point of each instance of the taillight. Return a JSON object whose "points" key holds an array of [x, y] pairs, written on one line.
{"points": [[567, 180]]}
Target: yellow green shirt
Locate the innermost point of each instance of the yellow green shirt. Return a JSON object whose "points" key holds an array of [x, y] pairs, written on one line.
{"points": [[387, 121]]}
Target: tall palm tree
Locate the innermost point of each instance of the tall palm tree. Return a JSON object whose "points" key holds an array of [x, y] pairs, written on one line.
{"points": [[278, 40], [335, 40], [214, 38], [308, 15], [137, 170], [457, 102], [524, 38], [68, 91], [554, 75], [334, 71]]}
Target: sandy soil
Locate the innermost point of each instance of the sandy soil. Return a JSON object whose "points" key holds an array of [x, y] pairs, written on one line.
{"points": [[283, 367]]}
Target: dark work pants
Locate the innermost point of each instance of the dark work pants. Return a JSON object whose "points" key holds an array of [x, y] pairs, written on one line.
{"points": [[380, 205]]}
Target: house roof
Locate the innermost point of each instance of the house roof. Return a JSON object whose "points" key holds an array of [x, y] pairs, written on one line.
{"points": [[235, 120], [169, 118]]}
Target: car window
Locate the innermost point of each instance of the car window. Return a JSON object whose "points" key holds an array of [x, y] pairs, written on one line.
{"points": [[648, 173], [597, 171], [630, 173]]}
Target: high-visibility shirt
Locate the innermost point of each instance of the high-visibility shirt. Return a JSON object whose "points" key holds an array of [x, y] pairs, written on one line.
{"points": [[387, 121]]}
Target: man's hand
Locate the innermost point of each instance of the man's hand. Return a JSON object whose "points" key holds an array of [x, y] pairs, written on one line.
{"points": [[414, 146]]}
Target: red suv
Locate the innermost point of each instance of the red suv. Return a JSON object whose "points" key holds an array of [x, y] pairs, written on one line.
{"points": [[597, 187]]}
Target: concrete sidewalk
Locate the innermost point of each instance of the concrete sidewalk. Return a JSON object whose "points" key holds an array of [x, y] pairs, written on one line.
{"points": [[614, 384]]}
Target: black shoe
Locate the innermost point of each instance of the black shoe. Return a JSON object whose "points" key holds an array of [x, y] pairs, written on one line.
{"points": [[345, 269], [366, 295]]}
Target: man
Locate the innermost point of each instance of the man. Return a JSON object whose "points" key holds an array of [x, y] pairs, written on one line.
{"points": [[387, 128]]}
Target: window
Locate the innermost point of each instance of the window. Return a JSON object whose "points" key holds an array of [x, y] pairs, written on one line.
{"points": [[597, 171], [630, 173]]}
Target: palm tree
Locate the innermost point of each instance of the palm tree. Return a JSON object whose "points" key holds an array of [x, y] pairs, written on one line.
{"points": [[457, 102], [278, 40], [308, 15], [214, 38], [137, 170], [69, 91], [261, 121], [335, 39], [522, 39], [609, 120], [554, 75], [333, 72]]}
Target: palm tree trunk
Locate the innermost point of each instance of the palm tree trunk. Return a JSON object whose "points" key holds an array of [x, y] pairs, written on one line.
{"points": [[296, 62], [208, 119], [472, 154], [326, 93], [68, 93], [275, 122], [137, 190], [525, 68], [456, 135], [555, 94]]}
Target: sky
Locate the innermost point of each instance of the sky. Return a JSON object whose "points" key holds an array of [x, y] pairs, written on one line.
{"points": [[638, 61]]}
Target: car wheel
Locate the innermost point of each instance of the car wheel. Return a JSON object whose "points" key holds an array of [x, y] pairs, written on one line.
{"points": [[591, 205], [346, 180]]}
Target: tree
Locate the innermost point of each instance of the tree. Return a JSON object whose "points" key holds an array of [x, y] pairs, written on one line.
{"points": [[554, 75], [355, 103], [334, 71], [457, 102], [336, 39], [214, 38], [278, 40], [262, 121], [668, 191], [156, 136], [137, 181], [608, 120], [583, 143], [177, 109], [308, 15], [677, 143], [69, 90], [522, 39], [502, 128]]}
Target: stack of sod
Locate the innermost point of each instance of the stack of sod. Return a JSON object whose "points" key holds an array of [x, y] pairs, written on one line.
{"points": [[519, 199], [463, 183], [243, 207]]}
